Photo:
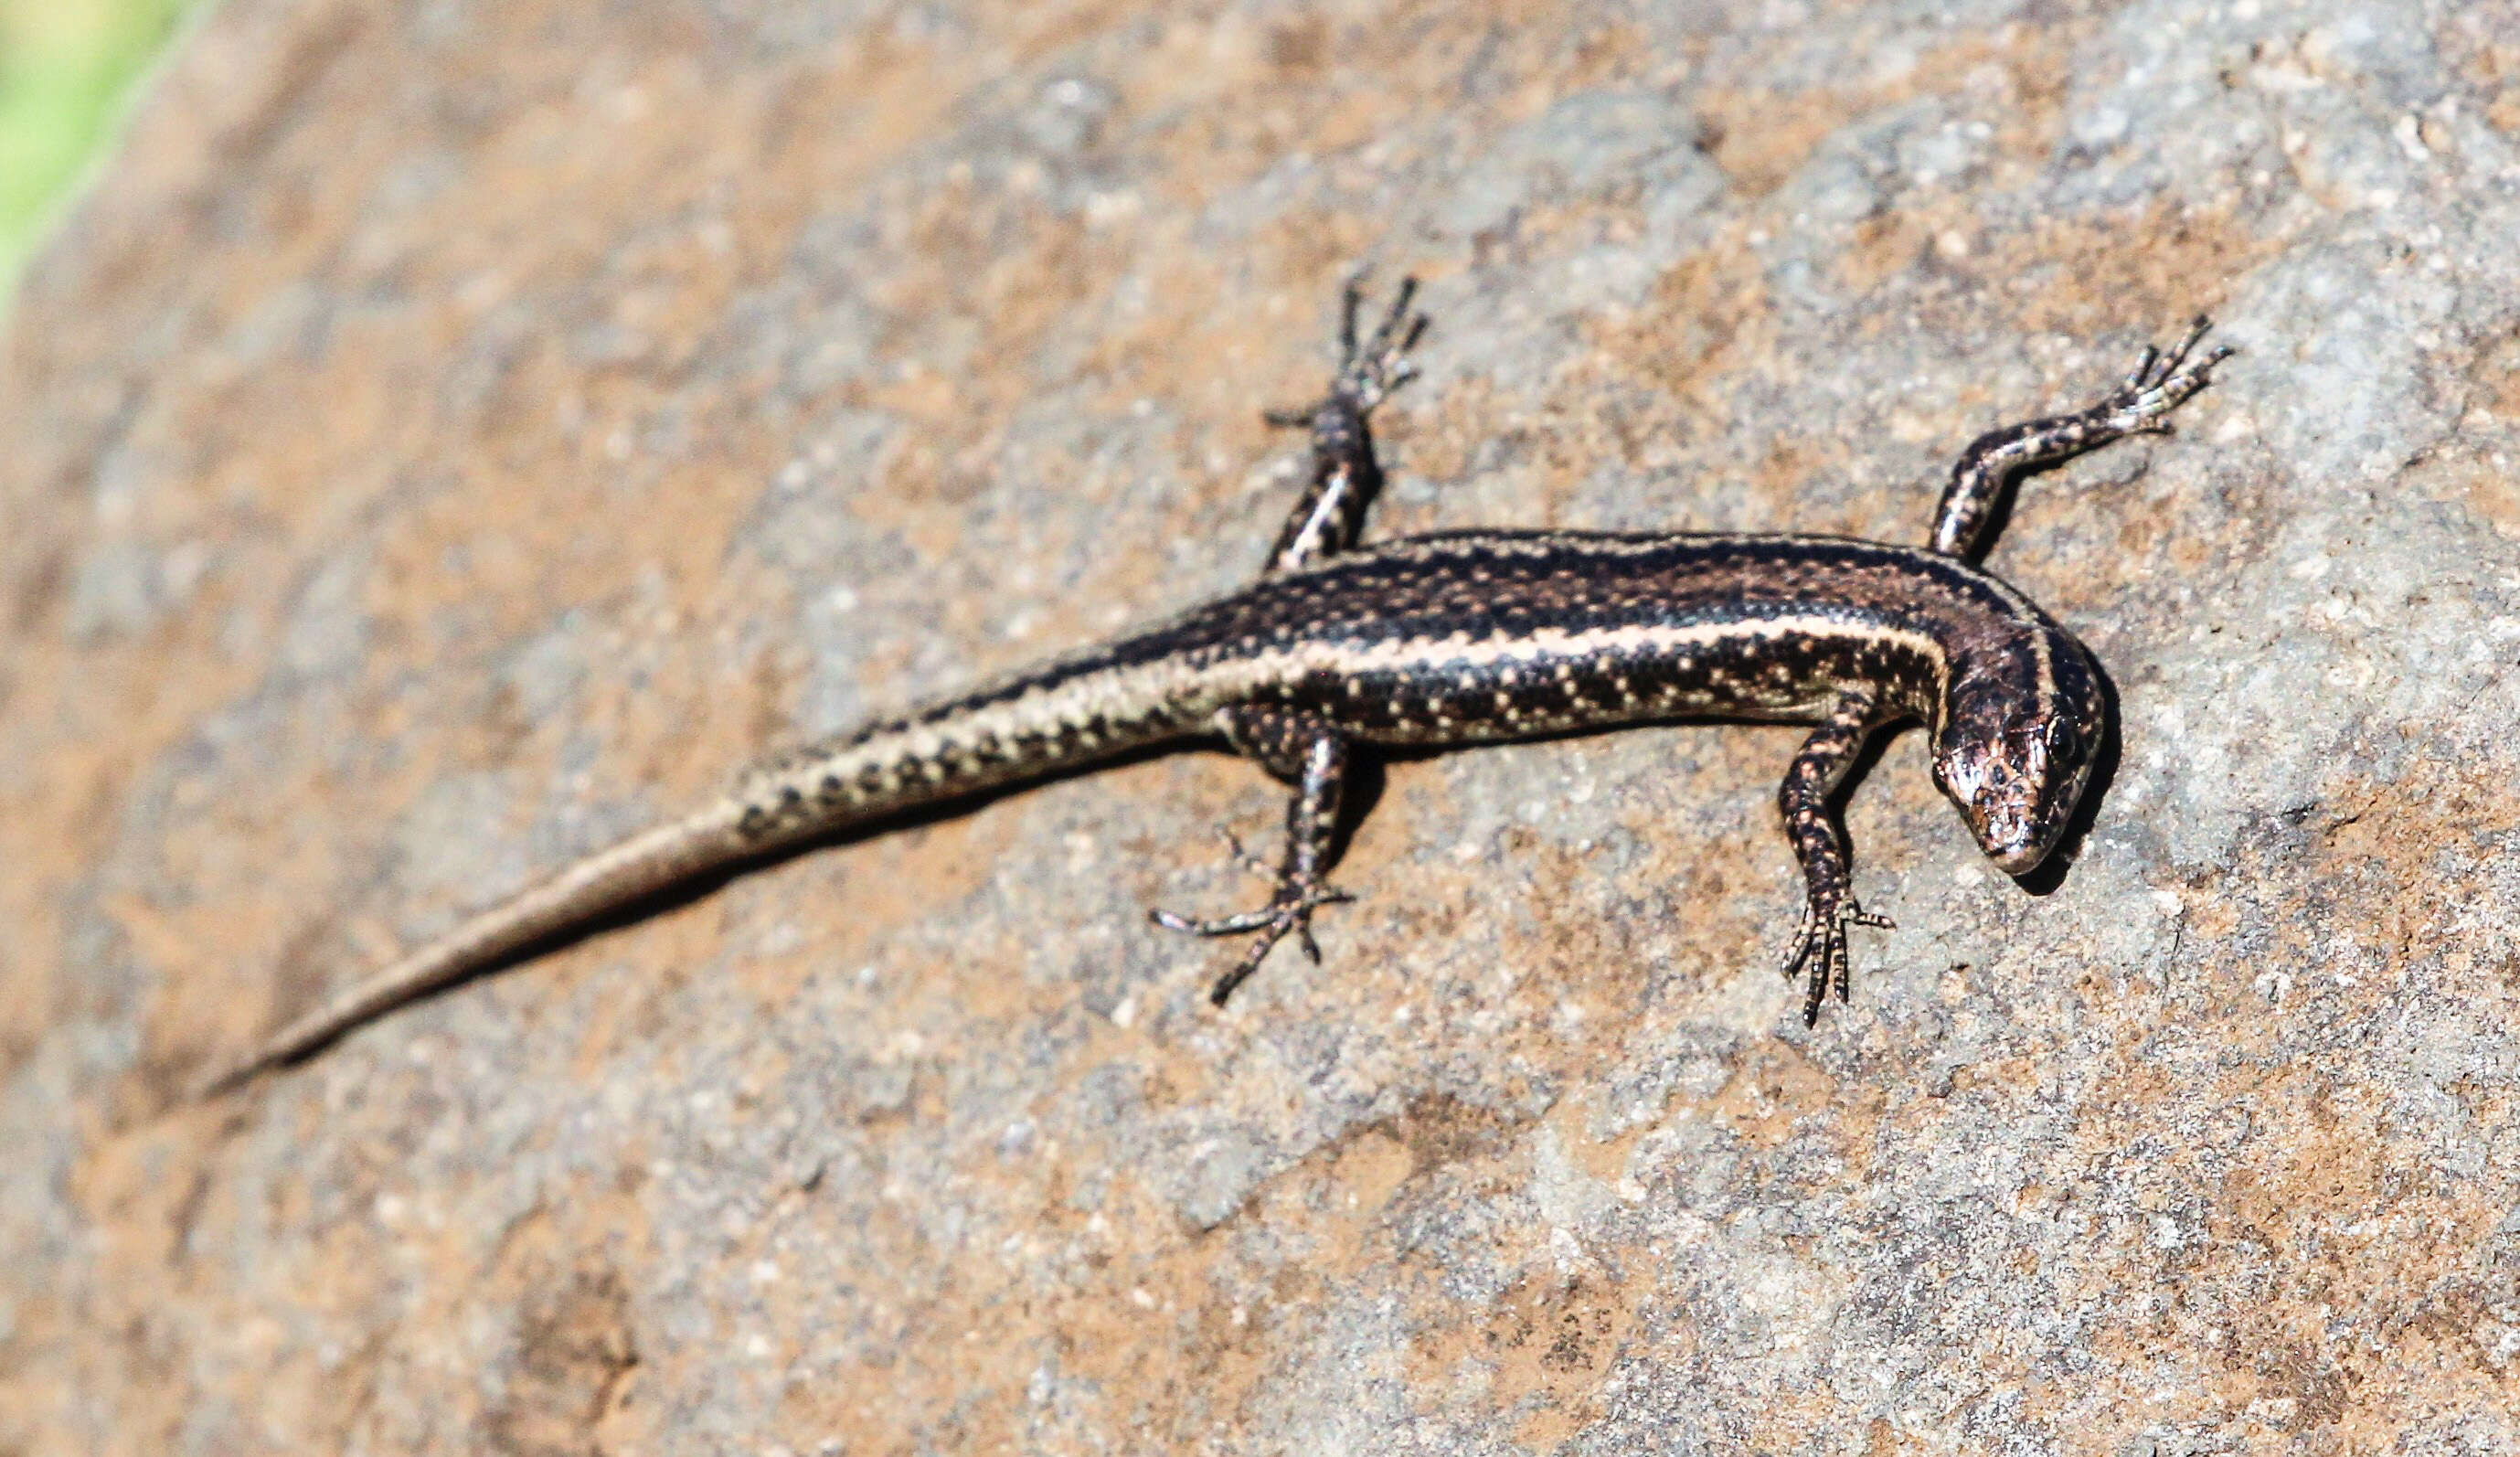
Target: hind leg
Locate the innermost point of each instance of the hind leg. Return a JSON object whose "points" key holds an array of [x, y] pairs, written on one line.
{"points": [[1307, 751]]}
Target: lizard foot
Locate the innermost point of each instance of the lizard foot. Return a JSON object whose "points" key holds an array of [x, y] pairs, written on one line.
{"points": [[1820, 949], [1368, 368], [1288, 911], [2159, 383]]}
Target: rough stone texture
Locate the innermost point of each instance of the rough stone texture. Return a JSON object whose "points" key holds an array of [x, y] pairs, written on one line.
{"points": [[455, 432]]}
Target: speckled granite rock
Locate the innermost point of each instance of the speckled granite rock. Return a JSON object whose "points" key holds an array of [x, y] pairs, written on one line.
{"points": [[457, 433]]}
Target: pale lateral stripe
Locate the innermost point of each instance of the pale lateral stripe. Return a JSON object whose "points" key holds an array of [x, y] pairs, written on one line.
{"points": [[1145, 701], [1556, 643]]}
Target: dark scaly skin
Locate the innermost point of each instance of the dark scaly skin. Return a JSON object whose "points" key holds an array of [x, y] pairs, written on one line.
{"points": [[1456, 639]]}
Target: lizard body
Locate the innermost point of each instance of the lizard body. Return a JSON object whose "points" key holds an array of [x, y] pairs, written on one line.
{"points": [[1455, 639]]}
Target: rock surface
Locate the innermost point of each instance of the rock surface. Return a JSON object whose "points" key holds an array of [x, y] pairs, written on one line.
{"points": [[455, 434]]}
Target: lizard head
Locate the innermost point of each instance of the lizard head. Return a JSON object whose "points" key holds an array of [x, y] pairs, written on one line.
{"points": [[2019, 730]]}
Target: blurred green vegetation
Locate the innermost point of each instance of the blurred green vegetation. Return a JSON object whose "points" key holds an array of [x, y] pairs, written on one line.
{"points": [[66, 71]]}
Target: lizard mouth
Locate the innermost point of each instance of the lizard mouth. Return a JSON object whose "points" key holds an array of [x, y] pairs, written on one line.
{"points": [[2012, 839], [2020, 859]]}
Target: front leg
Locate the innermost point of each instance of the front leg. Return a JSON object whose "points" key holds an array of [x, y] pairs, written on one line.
{"points": [[1819, 844], [1307, 751], [1344, 473], [2159, 383]]}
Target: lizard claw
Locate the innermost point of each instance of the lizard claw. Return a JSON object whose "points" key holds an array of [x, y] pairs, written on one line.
{"points": [[1821, 948]]}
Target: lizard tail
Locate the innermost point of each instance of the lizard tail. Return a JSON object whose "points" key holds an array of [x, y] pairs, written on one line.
{"points": [[634, 868], [1073, 713]]}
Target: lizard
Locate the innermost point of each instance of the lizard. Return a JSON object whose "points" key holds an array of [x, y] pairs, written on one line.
{"points": [[1448, 639]]}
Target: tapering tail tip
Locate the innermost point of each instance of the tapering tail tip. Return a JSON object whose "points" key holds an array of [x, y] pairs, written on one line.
{"points": [[563, 904], [318, 1030], [228, 1077], [224, 1079]]}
